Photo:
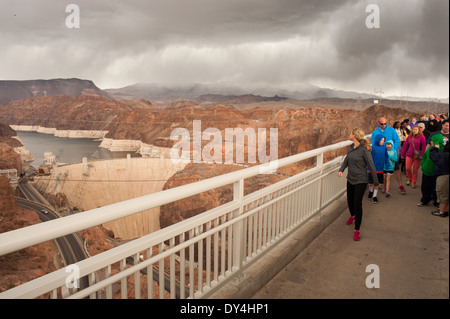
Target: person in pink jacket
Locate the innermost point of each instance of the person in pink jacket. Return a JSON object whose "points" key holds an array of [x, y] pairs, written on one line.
{"points": [[412, 151]]}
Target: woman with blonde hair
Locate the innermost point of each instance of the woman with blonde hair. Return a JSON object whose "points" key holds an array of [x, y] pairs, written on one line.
{"points": [[412, 151], [357, 160]]}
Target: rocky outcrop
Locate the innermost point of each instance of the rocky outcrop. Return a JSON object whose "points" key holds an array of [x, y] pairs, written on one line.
{"points": [[29, 263], [7, 201], [19, 90], [9, 136], [9, 159]]}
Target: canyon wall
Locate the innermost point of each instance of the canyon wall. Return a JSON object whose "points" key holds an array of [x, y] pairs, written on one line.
{"points": [[146, 150], [93, 184], [60, 133], [26, 264]]}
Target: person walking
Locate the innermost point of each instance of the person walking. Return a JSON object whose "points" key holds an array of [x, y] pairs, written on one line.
{"points": [[397, 171], [441, 170], [432, 124], [424, 121], [405, 131], [444, 132], [424, 131], [379, 157], [412, 151], [413, 122], [390, 133], [357, 160], [390, 166], [428, 186]]}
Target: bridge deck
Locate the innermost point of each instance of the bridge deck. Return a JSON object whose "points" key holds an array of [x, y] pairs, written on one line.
{"points": [[408, 244]]}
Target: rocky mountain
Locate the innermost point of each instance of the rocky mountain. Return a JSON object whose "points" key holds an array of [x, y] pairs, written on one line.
{"points": [[416, 98], [18, 90], [8, 157], [211, 94]]}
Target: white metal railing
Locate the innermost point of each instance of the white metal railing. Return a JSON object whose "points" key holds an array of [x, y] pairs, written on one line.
{"points": [[192, 258]]}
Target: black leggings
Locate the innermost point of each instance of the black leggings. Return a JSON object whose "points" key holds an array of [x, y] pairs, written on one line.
{"points": [[355, 194]]}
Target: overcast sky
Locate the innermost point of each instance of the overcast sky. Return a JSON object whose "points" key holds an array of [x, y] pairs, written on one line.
{"points": [[277, 42]]}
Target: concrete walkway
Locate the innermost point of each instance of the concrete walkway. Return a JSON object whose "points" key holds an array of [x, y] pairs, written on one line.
{"points": [[408, 244]]}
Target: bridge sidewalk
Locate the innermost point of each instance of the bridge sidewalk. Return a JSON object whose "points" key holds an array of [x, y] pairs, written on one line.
{"points": [[408, 244]]}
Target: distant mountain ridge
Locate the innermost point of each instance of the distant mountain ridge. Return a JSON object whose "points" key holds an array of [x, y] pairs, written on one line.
{"points": [[224, 91], [204, 94], [415, 99], [19, 90]]}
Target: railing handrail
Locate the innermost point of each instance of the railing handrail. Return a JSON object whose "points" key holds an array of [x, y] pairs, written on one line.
{"points": [[28, 236]]}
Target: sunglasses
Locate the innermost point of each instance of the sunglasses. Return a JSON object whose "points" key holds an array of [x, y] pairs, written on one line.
{"points": [[382, 123]]}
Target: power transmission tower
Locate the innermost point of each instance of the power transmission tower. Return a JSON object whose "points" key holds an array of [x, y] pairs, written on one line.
{"points": [[379, 92], [407, 102], [358, 104]]}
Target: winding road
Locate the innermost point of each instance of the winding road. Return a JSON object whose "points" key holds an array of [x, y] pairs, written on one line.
{"points": [[69, 246]]}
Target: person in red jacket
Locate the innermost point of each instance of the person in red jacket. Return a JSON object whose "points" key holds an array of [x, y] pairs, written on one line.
{"points": [[412, 151]]}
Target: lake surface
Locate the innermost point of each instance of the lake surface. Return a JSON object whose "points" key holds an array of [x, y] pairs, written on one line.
{"points": [[66, 150]]}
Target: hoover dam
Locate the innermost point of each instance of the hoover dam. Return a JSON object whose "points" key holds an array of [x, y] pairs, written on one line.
{"points": [[93, 184]]}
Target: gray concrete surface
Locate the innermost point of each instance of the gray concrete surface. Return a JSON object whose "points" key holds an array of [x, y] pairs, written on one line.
{"points": [[408, 244]]}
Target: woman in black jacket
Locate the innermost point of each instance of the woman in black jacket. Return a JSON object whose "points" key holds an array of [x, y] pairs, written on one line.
{"points": [[357, 160]]}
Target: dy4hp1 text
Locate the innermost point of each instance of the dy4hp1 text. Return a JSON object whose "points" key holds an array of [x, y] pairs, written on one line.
{"points": [[226, 309]]}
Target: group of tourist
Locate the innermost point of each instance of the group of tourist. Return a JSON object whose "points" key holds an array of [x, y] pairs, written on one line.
{"points": [[392, 150]]}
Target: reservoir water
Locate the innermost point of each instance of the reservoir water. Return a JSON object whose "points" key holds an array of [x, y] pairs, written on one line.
{"points": [[66, 150]]}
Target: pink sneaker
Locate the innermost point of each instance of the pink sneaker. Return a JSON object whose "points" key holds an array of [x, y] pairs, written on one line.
{"points": [[356, 236], [350, 220]]}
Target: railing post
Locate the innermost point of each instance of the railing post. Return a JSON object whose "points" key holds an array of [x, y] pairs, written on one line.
{"points": [[319, 164], [319, 160], [238, 228]]}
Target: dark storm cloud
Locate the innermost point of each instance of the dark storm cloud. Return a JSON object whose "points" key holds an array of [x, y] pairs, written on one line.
{"points": [[415, 31], [274, 42]]}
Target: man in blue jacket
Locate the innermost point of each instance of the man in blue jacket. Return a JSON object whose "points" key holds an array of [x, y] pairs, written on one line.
{"points": [[390, 134], [387, 131]]}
